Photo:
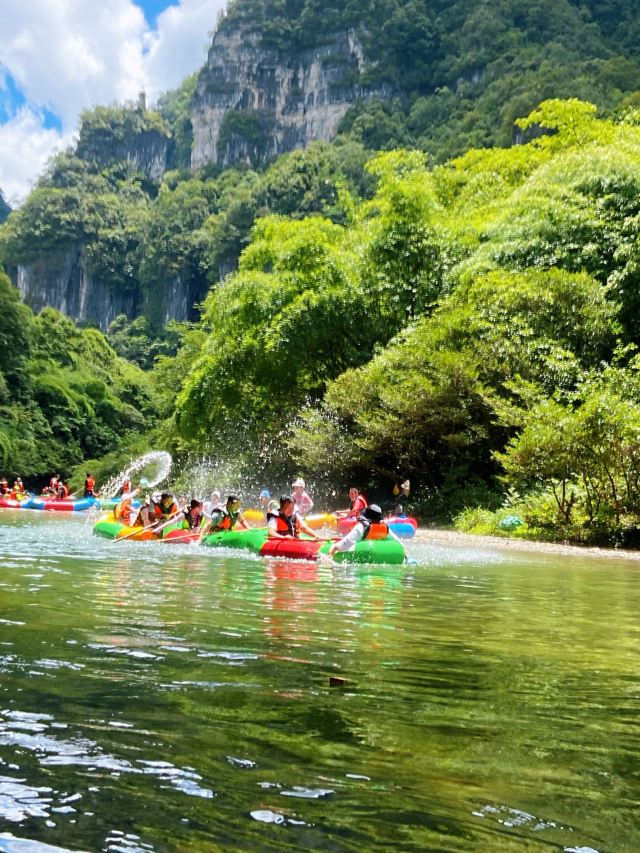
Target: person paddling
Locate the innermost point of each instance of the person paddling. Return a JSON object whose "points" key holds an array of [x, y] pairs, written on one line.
{"points": [[224, 518], [193, 517], [286, 523], [368, 526]]}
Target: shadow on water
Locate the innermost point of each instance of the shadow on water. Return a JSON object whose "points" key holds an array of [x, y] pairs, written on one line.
{"points": [[158, 698]]}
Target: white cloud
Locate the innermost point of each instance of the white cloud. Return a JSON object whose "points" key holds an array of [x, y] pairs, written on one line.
{"points": [[25, 147], [70, 55], [180, 44]]}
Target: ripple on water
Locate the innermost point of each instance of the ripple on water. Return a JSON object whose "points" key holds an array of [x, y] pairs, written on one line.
{"points": [[10, 844]]}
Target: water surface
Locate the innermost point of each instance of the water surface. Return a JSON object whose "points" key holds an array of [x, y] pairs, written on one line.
{"points": [[158, 698]]}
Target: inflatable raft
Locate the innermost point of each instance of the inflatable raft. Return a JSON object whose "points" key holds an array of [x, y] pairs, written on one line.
{"points": [[58, 505], [403, 526], [387, 551], [49, 503], [382, 551], [316, 521]]}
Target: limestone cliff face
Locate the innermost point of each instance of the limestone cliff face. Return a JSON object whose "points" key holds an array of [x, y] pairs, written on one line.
{"points": [[60, 280], [251, 104], [146, 153]]}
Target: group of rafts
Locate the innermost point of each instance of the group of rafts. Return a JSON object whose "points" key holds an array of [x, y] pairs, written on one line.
{"points": [[387, 549]]}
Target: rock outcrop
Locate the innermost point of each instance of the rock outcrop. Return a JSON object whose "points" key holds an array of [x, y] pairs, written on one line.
{"points": [[252, 104], [60, 280]]}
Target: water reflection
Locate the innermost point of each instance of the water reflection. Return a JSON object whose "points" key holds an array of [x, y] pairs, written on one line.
{"points": [[157, 698]]}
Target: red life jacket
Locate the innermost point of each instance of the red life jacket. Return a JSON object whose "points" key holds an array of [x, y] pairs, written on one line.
{"points": [[358, 505], [89, 483]]}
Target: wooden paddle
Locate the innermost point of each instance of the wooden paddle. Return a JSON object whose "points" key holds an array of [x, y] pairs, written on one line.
{"points": [[156, 526]]}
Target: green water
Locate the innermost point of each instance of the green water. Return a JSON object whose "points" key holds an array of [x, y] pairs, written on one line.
{"points": [[157, 698]]}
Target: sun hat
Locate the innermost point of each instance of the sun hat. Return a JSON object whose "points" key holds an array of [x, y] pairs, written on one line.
{"points": [[298, 483], [265, 493]]}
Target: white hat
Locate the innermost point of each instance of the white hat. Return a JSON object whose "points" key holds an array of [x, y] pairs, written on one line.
{"points": [[298, 482]]}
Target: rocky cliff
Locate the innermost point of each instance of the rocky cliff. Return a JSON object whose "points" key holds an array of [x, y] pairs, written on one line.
{"points": [[136, 137], [60, 280], [252, 104]]}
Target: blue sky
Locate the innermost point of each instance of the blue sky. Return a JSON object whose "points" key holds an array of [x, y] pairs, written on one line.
{"points": [[58, 59], [152, 8]]}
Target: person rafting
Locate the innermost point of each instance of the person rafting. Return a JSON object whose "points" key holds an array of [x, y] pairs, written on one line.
{"points": [[368, 526], [193, 517], [224, 518], [63, 490], [357, 507], [89, 487], [267, 504], [124, 512], [155, 512], [4, 487], [302, 501], [52, 489], [18, 490], [214, 502], [125, 488], [286, 523]]}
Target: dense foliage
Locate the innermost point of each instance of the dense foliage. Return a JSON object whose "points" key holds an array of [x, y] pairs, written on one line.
{"points": [[368, 308], [66, 396], [462, 71], [447, 327]]}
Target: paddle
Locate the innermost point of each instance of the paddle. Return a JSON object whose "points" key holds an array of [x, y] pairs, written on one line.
{"points": [[156, 526]]}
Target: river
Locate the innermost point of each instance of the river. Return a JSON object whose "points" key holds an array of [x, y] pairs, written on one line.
{"points": [[159, 698]]}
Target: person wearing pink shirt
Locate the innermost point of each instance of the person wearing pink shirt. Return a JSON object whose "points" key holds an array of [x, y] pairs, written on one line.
{"points": [[302, 501]]}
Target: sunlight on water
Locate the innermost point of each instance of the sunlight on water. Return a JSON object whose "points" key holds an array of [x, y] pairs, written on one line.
{"points": [[161, 698]]}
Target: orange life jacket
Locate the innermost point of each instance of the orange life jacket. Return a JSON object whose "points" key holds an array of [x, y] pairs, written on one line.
{"points": [[376, 531], [223, 519], [160, 511], [286, 526], [89, 483]]}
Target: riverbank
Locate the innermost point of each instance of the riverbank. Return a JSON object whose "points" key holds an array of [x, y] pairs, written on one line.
{"points": [[443, 536]]}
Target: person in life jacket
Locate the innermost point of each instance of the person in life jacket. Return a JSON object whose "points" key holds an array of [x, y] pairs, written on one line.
{"points": [[193, 517], [4, 487], [89, 486], [156, 512], [54, 482], [368, 526], [224, 518], [357, 507], [18, 486], [124, 512], [63, 490], [286, 523], [125, 488]]}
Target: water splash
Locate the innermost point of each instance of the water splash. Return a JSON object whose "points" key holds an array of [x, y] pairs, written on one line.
{"points": [[147, 471]]}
